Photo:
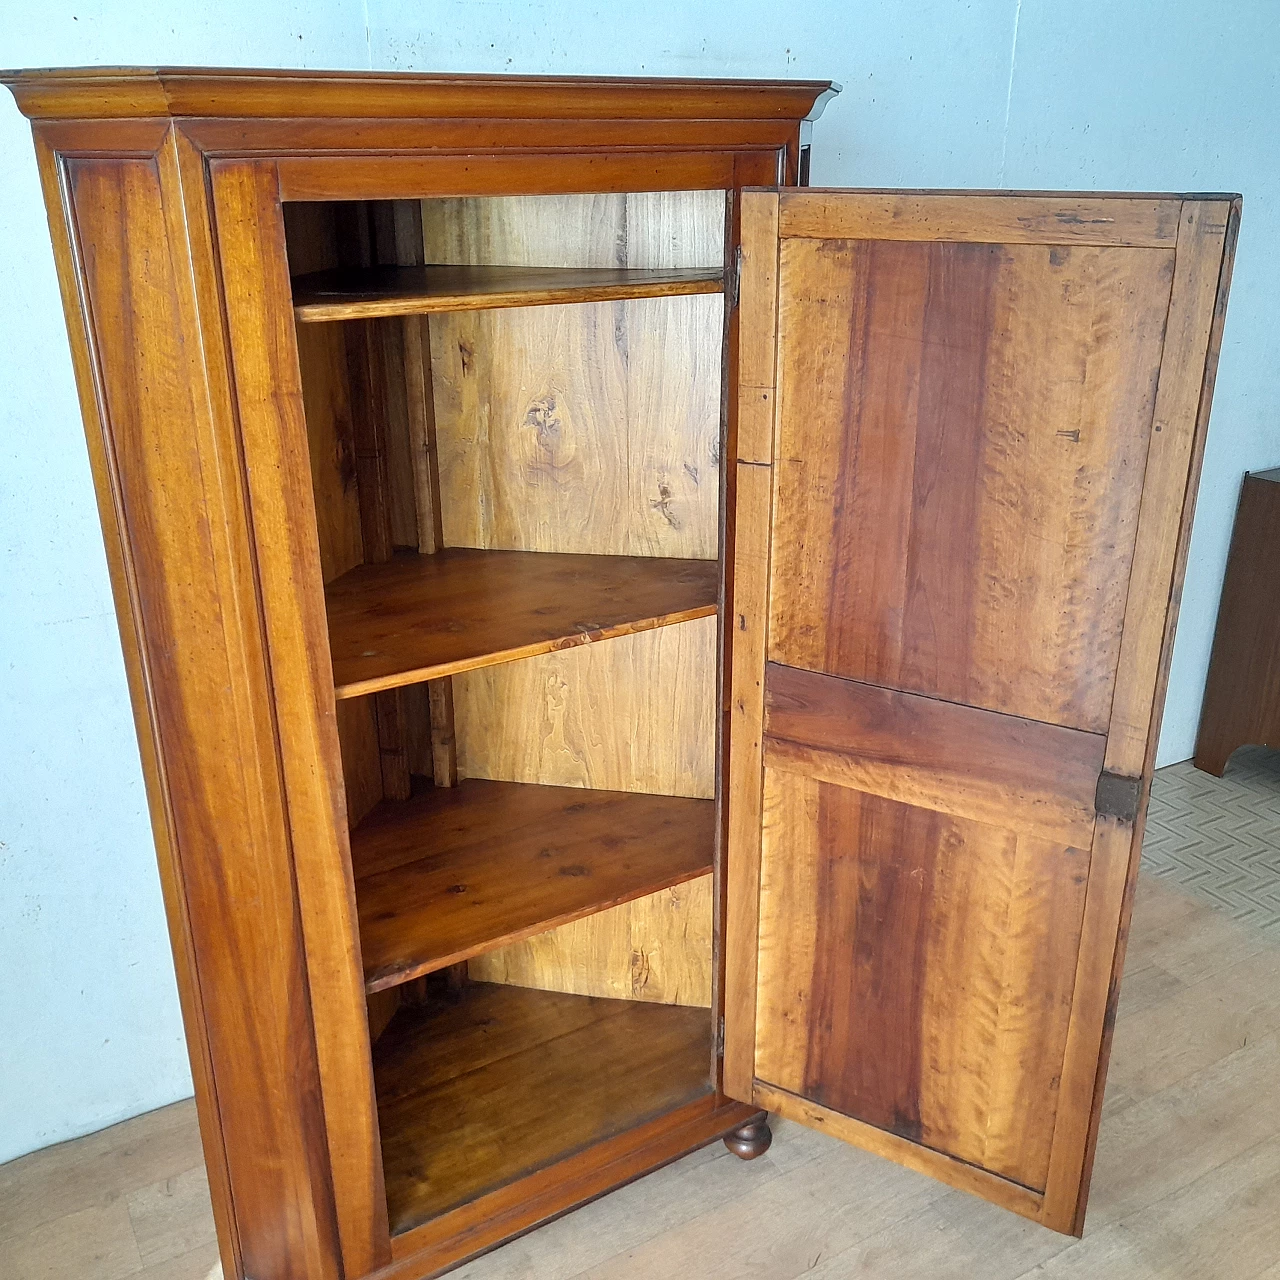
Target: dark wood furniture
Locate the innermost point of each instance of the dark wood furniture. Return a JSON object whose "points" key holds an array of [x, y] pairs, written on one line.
{"points": [[1242, 695], [616, 651]]}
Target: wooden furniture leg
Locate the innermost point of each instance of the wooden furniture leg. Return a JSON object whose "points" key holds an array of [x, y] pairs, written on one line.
{"points": [[751, 1139]]}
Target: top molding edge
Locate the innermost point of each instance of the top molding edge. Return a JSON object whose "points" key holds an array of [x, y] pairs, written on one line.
{"points": [[116, 93]]}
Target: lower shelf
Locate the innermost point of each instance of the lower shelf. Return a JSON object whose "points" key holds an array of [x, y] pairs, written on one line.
{"points": [[459, 870], [476, 1094]]}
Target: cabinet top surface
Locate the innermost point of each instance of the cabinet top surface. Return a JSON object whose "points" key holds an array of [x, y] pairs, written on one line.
{"points": [[123, 92]]}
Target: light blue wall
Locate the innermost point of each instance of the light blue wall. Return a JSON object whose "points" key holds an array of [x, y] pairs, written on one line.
{"points": [[1172, 95], [89, 1026], [1185, 96]]}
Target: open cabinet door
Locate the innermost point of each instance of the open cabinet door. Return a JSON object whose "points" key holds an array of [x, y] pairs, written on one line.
{"points": [[970, 428]]}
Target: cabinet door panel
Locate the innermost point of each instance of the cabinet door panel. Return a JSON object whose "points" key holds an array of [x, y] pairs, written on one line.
{"points": [[917, 949], [999, 391], [986, 420]]}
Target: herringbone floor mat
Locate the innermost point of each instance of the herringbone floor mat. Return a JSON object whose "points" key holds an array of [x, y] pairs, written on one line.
{"points": [[1219, 838]]}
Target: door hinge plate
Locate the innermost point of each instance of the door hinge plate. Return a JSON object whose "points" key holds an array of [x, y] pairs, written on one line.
{"points": [[735, 278], [720, 1038], [1118, 797]]}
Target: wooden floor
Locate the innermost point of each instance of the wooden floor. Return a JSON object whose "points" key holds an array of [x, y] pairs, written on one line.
{"points": [[1187, 1182]]}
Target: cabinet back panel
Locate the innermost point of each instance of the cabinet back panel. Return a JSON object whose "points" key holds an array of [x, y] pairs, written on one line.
{"points": [[574, 428], [592, 427], [656, 949], [631, 714], [636, 713]]}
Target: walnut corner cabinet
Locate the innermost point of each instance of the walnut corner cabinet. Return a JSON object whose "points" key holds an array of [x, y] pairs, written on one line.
{"points": [[621, 642]]}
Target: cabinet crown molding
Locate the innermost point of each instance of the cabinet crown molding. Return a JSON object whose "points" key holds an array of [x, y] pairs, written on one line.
{"points": [[112, 93]]}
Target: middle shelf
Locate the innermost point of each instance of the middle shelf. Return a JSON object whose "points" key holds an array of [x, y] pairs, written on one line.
{"points": [[456, 871], [418, 617]]}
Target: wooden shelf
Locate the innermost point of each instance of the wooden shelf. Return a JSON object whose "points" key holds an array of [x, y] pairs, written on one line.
{"points": [[360, 294], [459, 870], [420, 617], [507, 1081]]}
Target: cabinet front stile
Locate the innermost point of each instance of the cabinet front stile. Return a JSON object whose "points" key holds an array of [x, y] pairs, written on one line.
{"points": [[268, 393]]}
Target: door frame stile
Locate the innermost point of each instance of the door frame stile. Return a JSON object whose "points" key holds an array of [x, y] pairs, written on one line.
{"points": [[747, 619], [1193, 335], [244, 197]]}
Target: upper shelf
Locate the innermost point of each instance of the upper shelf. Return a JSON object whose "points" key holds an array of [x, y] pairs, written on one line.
{"points": [[366, 292], [419, 617]]}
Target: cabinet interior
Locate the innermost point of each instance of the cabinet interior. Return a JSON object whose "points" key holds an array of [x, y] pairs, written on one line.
{"points": [[514, 414]]}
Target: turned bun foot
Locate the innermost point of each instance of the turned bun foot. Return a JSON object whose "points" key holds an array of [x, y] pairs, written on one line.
{"points": [[751, 1139]]}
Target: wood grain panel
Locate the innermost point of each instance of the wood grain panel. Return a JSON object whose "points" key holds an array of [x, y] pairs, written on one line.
{"points": [[585, 428], [458, 870], [938, 754], [961, 456], [987, 460], [632, 714], [640, 230], [588, 428], [920, 966], [1004, 217], [592, 429], [657, 948], [473, 1096]]}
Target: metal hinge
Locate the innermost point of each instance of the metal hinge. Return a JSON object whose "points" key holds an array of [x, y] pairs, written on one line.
{"points": [[1118, 797], [720, 1039], [735, 278]]}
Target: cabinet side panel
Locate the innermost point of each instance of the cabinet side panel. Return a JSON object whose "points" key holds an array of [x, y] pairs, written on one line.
{"points": [[204, 676], [58, 203]]}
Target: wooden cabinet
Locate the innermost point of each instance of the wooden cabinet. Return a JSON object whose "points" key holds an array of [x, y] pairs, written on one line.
{"points": [[616, 651], [1242, 695]]}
